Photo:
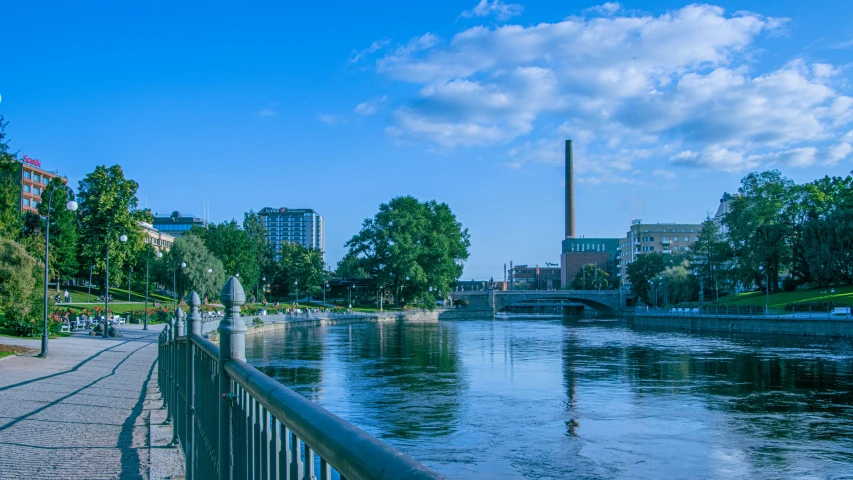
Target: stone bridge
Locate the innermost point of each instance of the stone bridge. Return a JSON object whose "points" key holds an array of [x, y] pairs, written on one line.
{"points": [[606, 302]]}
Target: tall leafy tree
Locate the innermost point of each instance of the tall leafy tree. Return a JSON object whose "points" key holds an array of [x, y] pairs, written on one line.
{"points": [[235, 248], [415, 249], [264, 251], [641, 272], [298, 264], [761, 225], [63, 231], [108, 208], [190, 249], [591, 277], [710, 258], [10, 188]]}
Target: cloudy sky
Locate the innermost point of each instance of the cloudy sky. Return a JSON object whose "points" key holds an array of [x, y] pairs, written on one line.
{"points": [[339, 107]]}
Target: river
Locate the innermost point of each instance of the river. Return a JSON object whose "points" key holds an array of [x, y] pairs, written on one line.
{"points": [[553, 398]]}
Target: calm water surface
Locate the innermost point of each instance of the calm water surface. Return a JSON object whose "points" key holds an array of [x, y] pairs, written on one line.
{"points": [[548, 398]]}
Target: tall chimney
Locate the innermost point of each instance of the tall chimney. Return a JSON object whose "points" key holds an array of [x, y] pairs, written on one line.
{"points": [[570, 192]]}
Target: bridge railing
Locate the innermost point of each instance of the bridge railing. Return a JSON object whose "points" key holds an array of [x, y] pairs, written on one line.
{"points": [[234, 422]]}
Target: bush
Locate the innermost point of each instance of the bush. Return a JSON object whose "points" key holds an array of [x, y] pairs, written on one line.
{"points": [[789, 284], [257, 322]]}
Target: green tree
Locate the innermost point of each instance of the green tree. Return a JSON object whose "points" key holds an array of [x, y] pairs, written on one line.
{"points": [[828, 247], [263, 250], [710, 258], [21, 287], [641, 272], [761, 225], [350, 267], [415, 249], [108, 208], [679, 285], [190, 249], [10, 187], [235, 248], [298, 264], [591, 278], [63, 232]]}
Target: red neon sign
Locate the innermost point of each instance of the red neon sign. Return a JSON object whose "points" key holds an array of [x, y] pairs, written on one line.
{"points": [[32, 161]]}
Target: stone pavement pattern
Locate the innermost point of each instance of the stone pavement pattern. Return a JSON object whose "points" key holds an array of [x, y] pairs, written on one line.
{"points": [[84, 412]]}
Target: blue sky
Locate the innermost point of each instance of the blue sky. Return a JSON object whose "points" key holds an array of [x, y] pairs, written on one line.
{"points": [[341, 106]]}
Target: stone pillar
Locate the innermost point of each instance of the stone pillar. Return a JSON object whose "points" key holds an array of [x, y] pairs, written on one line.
{"points": [[179, 324], [177, 331], [232, 346]]}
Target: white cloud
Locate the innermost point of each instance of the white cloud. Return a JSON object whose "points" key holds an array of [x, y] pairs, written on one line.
{"points": [[369, 107], [837, 153], [330, 119], [267, 112], [500, 10], [608, 8], [374, 47], [680, 85], [660, 172]]}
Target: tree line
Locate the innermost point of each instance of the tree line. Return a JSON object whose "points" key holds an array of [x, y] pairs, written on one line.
{"points": [[776, 235], [414, 249]]}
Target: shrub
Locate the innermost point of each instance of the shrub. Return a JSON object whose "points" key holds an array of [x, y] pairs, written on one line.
{"points": [[815, 305], [257, 322], [789, 284]]}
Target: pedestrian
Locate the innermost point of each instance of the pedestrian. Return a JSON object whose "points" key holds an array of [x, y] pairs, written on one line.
{"points": [[65, 295]]}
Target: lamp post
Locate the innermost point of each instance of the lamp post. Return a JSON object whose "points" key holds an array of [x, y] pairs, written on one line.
{"points": [[349, 296], [157, 254], [89, 295], [71, 205], [129, 273], [204, 286], [766, 297], [296, 282], [122, 238], [175, 285], [258, 291], [325, 286]]}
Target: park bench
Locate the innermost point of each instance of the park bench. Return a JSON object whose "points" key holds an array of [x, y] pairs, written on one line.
{"points": [[841, 311]]}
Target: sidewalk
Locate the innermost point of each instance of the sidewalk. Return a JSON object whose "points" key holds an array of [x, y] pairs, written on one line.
{"points": [[84, 412]]}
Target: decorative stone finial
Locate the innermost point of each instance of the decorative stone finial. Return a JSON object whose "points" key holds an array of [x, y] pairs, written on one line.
{"points": [[194, 301], [232, 293]]}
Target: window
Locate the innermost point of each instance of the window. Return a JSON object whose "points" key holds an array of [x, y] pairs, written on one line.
{"points": [[35, 204], [696, 239], [27, 188], [692, 230], [36, 177], [36, 191], [44, 180], [26, 202], [27, 175], [675, 239]]}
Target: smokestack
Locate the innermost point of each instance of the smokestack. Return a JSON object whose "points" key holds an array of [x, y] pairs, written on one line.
{"points": [[570, 192]]}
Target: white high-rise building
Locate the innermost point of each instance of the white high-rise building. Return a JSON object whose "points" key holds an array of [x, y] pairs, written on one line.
{"points": [[302, 226]]}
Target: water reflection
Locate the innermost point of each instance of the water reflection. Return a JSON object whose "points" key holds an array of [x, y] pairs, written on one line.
{"points": [[525, 398]]}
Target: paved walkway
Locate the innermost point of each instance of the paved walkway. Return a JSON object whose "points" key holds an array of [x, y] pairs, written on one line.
{"points": [[84, 412]]}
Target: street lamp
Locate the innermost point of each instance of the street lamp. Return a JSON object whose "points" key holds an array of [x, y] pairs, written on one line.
{"points": [[71, 205], [204, 286], [325, 286], [89, 295], [122, 239], [129, 273], [258, 291], [296, 282], [157, 254], [767, 297], [175, 285]]}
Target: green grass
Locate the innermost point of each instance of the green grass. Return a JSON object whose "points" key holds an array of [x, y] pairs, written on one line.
{"points": [[843, 294], [117, 293], [6, 354]]}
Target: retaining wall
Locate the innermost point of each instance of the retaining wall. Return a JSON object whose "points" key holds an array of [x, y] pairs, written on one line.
{"points": [[840, 327]]}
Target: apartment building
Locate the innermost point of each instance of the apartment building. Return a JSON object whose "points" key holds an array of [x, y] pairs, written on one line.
{"points": [[301, 226], [159, 240], [643, 238], [33, 178]]}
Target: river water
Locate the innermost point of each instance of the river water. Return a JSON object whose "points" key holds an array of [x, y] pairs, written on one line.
{"points": [[554, 398]]}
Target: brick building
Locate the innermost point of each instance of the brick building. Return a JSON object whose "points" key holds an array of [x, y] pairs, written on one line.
{"points": [[534, 278], [666, 238], [33, 178], [577, 252]]}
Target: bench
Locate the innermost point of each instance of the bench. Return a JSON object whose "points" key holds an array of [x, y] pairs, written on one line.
{"points": [[841, 311]]}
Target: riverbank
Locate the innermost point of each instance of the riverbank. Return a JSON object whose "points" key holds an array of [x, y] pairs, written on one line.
{"points": [[784, 325]]}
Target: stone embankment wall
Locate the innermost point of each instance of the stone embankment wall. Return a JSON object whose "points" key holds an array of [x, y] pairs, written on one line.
{"points": [[840, 327]]}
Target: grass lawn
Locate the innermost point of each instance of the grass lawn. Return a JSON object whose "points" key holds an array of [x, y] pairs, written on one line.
{"points": [[843, 294], [80, 294], [6, 354]]}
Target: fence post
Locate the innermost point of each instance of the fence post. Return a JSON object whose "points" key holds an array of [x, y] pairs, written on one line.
{"points": [[193, 328], [232, 344], [170, 325], [176, 332]]}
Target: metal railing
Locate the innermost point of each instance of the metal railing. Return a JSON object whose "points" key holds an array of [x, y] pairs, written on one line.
{"points": [[232, 421]]}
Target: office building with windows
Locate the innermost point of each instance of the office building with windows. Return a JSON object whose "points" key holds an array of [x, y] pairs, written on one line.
{"points": [[577, 252], [523, 277], [157, 239], [177, 224], [32, 179], [666, 238], [301, 226]]}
